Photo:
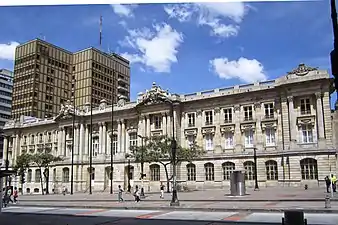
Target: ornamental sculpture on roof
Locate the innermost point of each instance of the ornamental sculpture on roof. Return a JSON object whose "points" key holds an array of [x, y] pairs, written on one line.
{"points": [[67, 110], [155, 95], [302, 70]]}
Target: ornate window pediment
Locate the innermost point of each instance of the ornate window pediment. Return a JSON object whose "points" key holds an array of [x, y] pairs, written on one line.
{"points": [[208, 130], [156, 133], [306, 120], [132, 130], [190, 132], [227, 128], [270, 124], [248, 126]]}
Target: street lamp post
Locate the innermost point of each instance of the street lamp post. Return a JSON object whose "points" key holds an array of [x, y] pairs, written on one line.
{"points": [[129, 186], [142, 165], [334, 52], [255, 170], [174, 199], [73, 137]]}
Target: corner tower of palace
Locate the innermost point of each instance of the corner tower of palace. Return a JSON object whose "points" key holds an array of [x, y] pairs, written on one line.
{"points": [[287, 120]]}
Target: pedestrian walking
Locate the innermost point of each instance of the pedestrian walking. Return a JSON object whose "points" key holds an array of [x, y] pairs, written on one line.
{"points": [[162, 190], [328, 184], [119, 194], [15, 195], [137, 194]]}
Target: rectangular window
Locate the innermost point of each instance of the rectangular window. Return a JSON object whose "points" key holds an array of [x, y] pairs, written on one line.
{"points": [[228, 115], [269, 110], [190, 140], [307, 133], [208, 117], [247, 113], [132, 139], [209, 146], [270, 136], [157, 122], [305, 106], [191, 119], [115, 144], [248, 138], [229, 140]]}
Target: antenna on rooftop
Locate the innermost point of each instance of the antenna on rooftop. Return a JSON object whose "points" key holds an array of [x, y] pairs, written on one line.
{"points": [[100, 31]]}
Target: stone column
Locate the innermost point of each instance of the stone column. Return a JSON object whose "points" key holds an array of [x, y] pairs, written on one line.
{"points": [[285, 120], [293, 125], [17, 150], [6, 143], [199, 123], [104, 140], [86, 140], [217, 136], [76, 138], [164, 124], [123, 137], [63, 145], [82, 138], [59, 142], [119, 137], [238, 133], [148, 126], [100, 138], [259, 138], [169, 129], [320, 121], [108, 144]]}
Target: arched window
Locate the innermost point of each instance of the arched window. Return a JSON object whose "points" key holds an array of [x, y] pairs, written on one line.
{"points": [[65, 175], [228, 168], [309, 169], [191, 172], [209, 172], [29, 176], [155, 174], [271, 170], [249, 168], [37, 176]]}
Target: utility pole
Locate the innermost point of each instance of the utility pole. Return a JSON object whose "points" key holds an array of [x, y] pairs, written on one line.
{"points": [[334, 52]]}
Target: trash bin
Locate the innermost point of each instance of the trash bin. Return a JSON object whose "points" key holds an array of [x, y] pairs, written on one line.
{"points": [[237, 183]]}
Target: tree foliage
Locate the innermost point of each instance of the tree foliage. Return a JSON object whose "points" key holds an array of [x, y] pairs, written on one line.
{"points": [[44, 161], [23, 162], [159, 149]]}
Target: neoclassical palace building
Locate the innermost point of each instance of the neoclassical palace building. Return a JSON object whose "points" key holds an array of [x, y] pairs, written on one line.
{"points": [[288, 121]]}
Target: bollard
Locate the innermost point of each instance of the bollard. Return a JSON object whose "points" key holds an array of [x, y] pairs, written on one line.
{"points": [[293, 218], [327, 202]]}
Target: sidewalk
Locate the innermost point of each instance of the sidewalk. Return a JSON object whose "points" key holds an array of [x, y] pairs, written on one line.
{"points": [[266, 199], [264, 194]]}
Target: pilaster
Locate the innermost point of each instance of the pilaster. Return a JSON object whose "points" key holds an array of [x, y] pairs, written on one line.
{"points": [[238, 134]]}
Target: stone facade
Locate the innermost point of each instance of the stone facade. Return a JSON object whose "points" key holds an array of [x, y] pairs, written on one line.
{"points": [[288, 121]]}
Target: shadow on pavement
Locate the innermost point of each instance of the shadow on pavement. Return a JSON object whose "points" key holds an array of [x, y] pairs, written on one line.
{"points": [[9, 218]]}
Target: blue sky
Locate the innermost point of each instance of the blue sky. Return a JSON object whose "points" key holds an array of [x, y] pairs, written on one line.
{"points": [[184, 47]]}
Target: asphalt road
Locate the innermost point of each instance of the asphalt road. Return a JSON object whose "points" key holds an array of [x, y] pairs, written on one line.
{"points": [[71, 216]]}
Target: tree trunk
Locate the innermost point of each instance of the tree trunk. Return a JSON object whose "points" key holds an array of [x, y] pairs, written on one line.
{"points": [[41, 181], [46, 175], [167, 175]]}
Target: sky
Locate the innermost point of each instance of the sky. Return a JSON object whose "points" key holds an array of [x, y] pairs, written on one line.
{"points": [[184, 48]]}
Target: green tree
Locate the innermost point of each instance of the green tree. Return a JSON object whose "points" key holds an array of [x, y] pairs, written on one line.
{"points": [[22, 163], [44, 161], [159, 149]]}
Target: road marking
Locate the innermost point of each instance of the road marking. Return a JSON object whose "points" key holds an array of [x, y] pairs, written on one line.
{"points": [[237, 217], [151, 215], [91, 212]]}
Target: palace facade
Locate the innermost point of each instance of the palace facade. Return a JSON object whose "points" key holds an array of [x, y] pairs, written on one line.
{"points": [[287, 120]]}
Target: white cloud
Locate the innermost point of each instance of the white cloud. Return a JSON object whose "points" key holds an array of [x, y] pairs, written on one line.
{"points": [[246, 70], [7, 51], [155, 49], [222, 18], [124, 10]]}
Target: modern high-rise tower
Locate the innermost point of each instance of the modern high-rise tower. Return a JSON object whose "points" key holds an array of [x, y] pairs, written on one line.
{"points": [[44, 76]]}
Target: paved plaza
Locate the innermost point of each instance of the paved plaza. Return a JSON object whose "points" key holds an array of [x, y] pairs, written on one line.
{"points": [[74, 216], [266, 199]]}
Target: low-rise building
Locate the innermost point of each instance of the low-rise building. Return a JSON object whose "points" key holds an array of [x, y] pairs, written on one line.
{"points": [[287, 121]]}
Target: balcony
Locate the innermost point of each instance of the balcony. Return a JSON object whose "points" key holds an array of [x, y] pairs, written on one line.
{"points": [[208, 123], [305, 112], [191, 125], [122, 88], [227, 121], [248, 118]]}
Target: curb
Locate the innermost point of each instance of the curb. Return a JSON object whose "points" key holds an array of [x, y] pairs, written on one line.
{"points": [[173, 208]]}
